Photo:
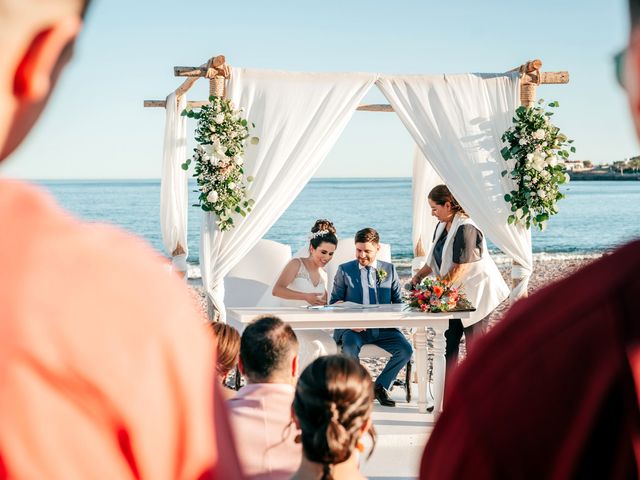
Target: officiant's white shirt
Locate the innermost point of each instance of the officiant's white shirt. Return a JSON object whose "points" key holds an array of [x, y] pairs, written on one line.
{"points": [[365, 281]]}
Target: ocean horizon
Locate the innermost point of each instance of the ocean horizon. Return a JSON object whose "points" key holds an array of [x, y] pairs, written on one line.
{"points": [[595, 216]]}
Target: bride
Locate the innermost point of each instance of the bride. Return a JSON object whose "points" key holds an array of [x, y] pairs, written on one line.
{"points": [[303, 281]]}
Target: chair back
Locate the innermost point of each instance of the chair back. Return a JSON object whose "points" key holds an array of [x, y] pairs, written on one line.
{"points": [[255, 274]]}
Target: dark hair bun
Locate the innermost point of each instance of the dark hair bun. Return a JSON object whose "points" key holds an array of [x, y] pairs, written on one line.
{"points": [[323, 225]]}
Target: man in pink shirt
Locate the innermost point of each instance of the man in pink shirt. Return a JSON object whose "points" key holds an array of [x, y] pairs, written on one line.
{"points": [[106, 368], [261, 411]]}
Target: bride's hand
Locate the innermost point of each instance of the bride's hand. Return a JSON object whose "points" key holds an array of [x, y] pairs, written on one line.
{"points": [[315, 299]]}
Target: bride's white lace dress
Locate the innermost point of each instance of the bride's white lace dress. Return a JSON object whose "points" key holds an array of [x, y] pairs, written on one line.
{"points": [[313, 343]]}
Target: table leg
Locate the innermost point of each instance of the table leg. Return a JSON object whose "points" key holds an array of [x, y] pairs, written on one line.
{"points": [[439, 369], [420, 343]]}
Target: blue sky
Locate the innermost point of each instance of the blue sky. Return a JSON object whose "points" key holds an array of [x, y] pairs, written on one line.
{"points": [[95, 126]]}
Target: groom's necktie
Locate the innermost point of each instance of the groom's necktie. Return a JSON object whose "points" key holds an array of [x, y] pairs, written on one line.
{"points": [[371, 282]]}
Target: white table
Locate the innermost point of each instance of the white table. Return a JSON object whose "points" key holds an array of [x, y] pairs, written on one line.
{"points": [[381, 317]]}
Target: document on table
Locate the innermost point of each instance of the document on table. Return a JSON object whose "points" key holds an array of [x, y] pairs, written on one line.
{"points": [[342, 306]]}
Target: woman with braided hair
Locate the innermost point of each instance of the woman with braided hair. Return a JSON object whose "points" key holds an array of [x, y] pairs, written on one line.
{"points": [[332, 408]]}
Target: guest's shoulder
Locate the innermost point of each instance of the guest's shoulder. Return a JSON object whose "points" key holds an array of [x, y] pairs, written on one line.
{"points": [[110, 275]]}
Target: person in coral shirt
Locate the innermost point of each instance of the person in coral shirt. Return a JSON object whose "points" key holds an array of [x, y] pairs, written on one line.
{"points": [[106, 367]]}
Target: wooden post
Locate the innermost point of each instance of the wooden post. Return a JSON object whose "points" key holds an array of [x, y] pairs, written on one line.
{"points": [[418, 250], [217, 72], [530, 78]]}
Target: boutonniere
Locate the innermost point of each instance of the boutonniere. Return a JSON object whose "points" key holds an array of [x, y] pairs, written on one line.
{"points": [[381, 275]]}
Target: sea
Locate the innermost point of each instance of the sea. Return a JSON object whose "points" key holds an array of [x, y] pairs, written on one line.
{"points": [[595, 216]]}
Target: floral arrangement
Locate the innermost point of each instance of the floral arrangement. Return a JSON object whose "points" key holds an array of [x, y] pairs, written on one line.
{"points": [[381, 274], [433, 295], [221, 135], [535, 154]]}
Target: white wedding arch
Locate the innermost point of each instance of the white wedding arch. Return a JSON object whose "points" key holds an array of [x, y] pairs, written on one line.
{"points": [[456, 122]]}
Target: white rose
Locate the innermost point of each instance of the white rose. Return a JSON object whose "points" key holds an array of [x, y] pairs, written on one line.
{"points": [[542, 194], [213, 196], [544, 144], [538, 161], [231, 185], [552, 160], [523, 141], [208, 149], [219, 118], [239, 161], [529, 156], [539, 134]]}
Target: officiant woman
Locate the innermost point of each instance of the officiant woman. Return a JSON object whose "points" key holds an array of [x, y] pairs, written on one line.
{"points": [[459, 257]]}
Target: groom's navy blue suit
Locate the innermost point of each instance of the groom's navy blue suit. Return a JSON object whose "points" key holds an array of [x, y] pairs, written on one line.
{"points": [[347, 286]]}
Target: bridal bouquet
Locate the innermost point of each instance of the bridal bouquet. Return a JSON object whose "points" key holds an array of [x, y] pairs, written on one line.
{"points": [[221, 134], [433, 295]]}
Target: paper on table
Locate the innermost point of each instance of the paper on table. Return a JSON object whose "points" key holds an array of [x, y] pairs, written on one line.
{"points": [[319, 307], [355, 306], [340, 306]]}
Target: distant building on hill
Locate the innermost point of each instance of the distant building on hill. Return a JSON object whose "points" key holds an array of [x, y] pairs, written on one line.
{"points": [[578, 165]]}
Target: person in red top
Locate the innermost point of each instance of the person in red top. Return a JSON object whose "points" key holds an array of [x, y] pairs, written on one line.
{"points": [[553, 391], [106, 368]]}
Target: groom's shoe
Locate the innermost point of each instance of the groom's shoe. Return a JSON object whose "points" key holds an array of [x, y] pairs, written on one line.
{"points": [[382, 396]]}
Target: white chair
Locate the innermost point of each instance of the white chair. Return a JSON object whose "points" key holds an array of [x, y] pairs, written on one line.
{"points": [[253, 277]]}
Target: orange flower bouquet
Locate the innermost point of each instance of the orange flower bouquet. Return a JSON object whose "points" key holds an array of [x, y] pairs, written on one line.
{"points": [[433, 295]]}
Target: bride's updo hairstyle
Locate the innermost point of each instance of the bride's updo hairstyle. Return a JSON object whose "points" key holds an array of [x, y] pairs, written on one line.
{"points": [[440, 195], [333, 401], [323, 231]]}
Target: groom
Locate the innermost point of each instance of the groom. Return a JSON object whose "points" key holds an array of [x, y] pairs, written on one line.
{"points": [[367, 281]]}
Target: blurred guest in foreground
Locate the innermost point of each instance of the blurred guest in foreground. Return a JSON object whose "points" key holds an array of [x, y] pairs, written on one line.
{"points": [[332, 408], [105, 364], [553, 391]]}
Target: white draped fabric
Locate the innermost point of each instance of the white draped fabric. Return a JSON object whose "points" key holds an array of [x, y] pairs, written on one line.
{"points": [[457, 122], [298, 118], [424, 224], [174, 189]]}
